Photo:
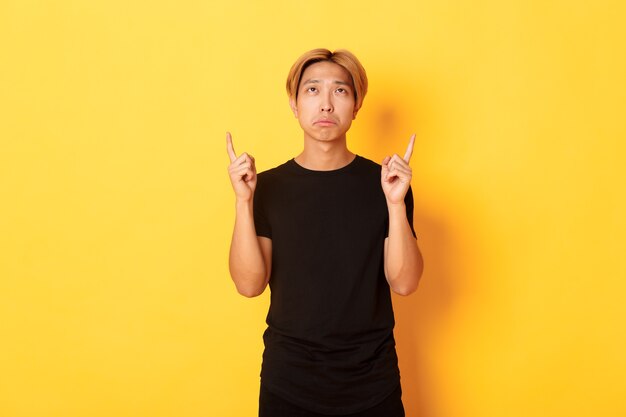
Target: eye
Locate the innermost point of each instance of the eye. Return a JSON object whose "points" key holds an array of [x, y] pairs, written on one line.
{"points": [[341, 90], [311, 89]]}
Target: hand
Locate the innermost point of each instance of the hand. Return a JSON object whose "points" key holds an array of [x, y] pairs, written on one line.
{"points": [[396, 175], [242, 172]]}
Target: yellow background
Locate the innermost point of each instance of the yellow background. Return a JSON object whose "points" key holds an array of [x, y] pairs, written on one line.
{"points": [[116, 211]]}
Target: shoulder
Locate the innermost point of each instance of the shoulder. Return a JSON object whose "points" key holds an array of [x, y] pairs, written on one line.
{"points": [[275, 173], [273, 180], [368, 164], [367, 168]]}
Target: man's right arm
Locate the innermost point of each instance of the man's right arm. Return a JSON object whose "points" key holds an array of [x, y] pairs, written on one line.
{"points": [[250, 256]]}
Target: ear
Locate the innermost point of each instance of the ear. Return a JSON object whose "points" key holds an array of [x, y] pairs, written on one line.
{"points": [[292, 104], [354, 112]]}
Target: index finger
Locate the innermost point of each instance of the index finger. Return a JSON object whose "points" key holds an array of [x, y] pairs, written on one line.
{"points": [[409, 149], [229, 147]]}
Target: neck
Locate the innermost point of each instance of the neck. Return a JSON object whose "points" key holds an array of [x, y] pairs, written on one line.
{"points": [[325, 156]]}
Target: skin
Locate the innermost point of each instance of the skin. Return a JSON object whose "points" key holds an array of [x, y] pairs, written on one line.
{"points": [[325, 107]]}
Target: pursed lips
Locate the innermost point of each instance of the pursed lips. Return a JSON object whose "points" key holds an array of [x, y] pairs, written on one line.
{"points": [[324, 122]]}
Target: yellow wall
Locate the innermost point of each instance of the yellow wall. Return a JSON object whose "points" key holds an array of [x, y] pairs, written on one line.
{"points": [[116, 208]]}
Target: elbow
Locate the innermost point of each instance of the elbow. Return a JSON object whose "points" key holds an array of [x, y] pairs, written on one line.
{"points": [[405, 276], [251, 288], [407, 286], [405, 290], [250, 284], [250, 292]]}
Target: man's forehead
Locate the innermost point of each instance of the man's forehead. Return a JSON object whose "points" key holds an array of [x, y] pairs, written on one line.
{"points": [[326, 71]]}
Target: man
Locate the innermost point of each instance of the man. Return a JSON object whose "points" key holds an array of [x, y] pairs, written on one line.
{"points": [[331, 232]]}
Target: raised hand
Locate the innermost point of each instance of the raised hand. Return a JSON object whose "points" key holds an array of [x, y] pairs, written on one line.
{"points": [[395, 176], [242, 172]]}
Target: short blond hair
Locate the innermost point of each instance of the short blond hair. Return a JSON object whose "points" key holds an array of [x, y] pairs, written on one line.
{"points": [[341, 57]]}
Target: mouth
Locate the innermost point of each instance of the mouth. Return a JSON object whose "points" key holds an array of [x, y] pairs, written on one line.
{"points": [[324, 122]]}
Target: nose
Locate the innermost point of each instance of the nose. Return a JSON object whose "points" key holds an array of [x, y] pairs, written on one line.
{"points": [[326, 104]]}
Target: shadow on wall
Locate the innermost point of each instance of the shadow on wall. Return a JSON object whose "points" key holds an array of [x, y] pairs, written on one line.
{"points": [[419, 317]]}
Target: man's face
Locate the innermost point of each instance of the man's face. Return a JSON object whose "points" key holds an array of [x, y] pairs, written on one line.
{"points": [[325, 103]]}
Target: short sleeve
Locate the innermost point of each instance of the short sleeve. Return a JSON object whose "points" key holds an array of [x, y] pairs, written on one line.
{"points": [[408, 202], [261, 223]]}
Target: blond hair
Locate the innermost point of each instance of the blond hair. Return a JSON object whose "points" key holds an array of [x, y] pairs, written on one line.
{"points": [[341, 57]]}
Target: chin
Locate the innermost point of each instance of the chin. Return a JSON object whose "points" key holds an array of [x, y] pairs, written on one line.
{"points": [[326, 138], [328, 135]]}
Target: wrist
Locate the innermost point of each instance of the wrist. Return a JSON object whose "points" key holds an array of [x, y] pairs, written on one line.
{"points": [[396, 207], [243, 204]]}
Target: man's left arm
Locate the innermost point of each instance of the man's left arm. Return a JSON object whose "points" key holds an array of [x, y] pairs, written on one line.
{"points": [[403, 260]]}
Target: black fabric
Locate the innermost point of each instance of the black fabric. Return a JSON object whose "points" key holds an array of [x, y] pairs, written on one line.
{"points": [[271, 405], [329, 345]]}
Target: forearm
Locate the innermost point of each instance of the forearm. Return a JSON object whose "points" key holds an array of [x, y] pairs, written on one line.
{"points": [[403, 259], [246, 262]]}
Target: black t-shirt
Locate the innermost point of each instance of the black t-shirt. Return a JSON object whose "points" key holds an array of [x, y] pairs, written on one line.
{"points": [[329, 345]]}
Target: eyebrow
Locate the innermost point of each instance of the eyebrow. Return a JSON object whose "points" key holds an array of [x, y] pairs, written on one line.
{"points": [[313, 81]]}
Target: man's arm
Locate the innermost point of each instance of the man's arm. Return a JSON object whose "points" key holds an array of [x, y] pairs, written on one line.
{"points": [[403, 260], [250, 256]]}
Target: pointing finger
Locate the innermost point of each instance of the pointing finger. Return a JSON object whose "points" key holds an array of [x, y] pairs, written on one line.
{"points": [[241, 159], [409, 149], [229, 147]]}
